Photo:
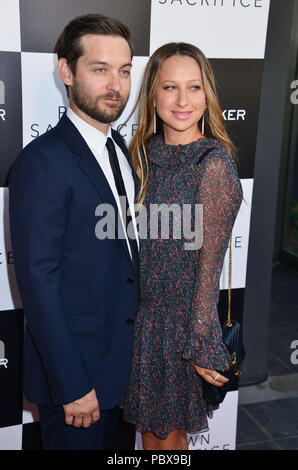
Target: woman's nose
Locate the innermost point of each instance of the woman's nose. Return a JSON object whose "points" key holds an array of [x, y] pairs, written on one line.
{"points": [[182, 100]]}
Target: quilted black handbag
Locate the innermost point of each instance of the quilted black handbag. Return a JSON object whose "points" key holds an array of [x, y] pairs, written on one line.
{"points": [[232, 338]]}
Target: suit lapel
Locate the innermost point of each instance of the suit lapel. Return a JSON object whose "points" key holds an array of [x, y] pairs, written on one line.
{"points": [[92, 169]]}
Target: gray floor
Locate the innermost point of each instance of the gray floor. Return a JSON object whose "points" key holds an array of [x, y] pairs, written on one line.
{"points": [[268, 412]]}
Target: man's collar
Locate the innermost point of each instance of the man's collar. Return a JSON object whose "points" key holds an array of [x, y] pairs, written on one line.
{"points": [[94, 138]]}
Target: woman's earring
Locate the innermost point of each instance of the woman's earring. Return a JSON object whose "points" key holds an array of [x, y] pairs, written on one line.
{"points": [[203, 124], [154, 121]]}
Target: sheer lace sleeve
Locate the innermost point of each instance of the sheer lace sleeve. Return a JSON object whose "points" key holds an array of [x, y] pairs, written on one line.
{"points": [[220, 192]]}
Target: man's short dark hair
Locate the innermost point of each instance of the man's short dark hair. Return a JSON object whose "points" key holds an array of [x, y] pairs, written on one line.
{"points": [[69, 44]]}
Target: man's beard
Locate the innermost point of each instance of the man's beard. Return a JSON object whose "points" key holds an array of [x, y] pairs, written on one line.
{"points": [[93, 109]]}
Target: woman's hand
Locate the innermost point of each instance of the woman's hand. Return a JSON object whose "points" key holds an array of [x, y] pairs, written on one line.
{"points": [[211, 376]]}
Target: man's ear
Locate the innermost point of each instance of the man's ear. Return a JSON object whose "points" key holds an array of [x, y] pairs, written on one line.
{"points": [[65, 72]]}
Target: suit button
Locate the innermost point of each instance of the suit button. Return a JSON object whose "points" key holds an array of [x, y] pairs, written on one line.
{"points": [[130, 321], [129, 281]]}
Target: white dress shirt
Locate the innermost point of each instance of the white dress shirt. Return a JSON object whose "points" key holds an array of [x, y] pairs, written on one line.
{"points": [[96, 141]]}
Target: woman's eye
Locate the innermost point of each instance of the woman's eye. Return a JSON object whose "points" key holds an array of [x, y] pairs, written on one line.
{"points": [[196, 87], [126, 72], [169, 87], [100, 69]]}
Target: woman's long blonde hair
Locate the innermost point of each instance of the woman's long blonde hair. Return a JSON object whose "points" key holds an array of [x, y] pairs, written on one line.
{"points": [[214, 121]]}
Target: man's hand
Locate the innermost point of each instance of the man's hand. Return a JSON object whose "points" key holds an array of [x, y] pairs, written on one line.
{"points": [[209, 375], [82, 412]]}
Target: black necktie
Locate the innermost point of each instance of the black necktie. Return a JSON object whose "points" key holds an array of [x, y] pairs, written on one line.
{"points": [[121, 191]]}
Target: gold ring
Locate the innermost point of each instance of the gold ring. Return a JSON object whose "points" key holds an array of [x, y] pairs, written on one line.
{"points": [[215, 378]]}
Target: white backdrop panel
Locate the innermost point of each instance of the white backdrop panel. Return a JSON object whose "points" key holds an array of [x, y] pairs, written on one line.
{"points": [[240, 239], [10, 297], [11, 437], [10, 26], [43, 94], [221, 28]]}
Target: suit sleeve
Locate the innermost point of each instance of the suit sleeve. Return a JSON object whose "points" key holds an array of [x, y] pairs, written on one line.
{"points": [[220, 193], [38, 218]]}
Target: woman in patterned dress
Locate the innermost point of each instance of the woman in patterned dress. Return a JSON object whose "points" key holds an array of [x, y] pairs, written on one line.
{"points": [[177, 333]]}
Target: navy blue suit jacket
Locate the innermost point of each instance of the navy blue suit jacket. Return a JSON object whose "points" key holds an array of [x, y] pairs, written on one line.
{"points": [[79, 293]]}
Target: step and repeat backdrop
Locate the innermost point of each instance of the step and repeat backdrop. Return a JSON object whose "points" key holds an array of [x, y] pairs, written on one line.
{"points": [[232, 34]]}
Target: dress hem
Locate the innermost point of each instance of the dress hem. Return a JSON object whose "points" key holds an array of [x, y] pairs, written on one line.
{"points": [[142, 429]]}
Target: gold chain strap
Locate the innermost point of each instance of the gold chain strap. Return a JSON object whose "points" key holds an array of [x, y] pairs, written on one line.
{"points": [[230, 266], [230, 284]]}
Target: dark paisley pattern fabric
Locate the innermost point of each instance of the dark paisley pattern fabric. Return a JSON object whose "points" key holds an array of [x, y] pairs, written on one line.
{"points": [[178, 320]]}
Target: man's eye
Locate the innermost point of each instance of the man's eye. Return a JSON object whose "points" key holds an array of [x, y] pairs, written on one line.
{"points": [[100, 69]]}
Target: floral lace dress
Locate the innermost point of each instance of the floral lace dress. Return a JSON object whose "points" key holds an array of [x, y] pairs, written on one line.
{"points": [[178, 319]]}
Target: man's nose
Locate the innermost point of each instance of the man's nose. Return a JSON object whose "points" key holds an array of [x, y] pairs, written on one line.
{"points": [[114, 82]]}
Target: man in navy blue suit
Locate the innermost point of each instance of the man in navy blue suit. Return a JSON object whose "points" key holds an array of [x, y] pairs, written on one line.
{"points": [[80, 290]]}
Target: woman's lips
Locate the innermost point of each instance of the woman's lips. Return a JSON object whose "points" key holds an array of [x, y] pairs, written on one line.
{"points": [[182, 115]]}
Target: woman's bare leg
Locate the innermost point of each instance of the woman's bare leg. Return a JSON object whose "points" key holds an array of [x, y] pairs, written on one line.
{"points": [[176, 440]]}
